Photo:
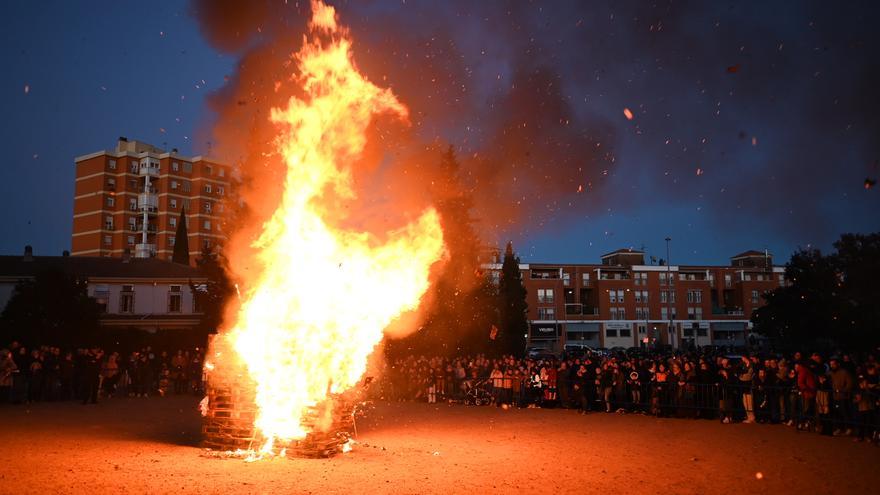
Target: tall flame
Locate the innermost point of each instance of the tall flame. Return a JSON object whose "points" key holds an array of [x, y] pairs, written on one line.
{"points": [[309, 322]]}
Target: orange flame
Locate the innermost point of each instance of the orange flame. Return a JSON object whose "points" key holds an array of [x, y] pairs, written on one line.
{"points": [[309, 322]]}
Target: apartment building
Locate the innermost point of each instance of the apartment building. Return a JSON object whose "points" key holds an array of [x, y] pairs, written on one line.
{"points": [[622, 302], [130, 200]]}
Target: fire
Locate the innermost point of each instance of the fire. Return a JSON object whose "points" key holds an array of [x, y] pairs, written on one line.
{"points": [[309, 321]]}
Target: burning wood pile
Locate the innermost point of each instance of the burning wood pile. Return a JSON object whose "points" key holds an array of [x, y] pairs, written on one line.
{"points": [[228, 427]]}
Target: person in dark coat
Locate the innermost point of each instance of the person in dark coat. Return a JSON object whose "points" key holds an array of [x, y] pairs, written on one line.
{"points": [[92, 376], [581, 384]]}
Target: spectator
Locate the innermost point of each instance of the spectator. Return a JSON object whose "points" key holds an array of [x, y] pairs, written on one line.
{"points": [[842, 385], [8, 369]]}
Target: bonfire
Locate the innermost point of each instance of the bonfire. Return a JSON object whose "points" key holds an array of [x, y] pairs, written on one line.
{"points": [[308, 321]]}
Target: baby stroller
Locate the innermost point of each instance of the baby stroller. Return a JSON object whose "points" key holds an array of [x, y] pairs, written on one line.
{"points": [[478, 393]]}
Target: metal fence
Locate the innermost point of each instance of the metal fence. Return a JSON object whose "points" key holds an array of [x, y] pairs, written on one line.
{"points": [[726, 401]]}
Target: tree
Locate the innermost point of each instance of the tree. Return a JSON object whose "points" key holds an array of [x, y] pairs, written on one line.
{"points": [[830, 299], [212, 296], [52, 308], [463, 299], [181, 241], [512, 304]]}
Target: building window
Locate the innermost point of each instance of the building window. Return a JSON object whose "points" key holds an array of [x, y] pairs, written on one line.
{"points": [[612, 296], [620, 296], [781, 280], [171, 240], [621, 313], [187, 167], [101, 295], [643, 330], [546, 313], [186, 186], [613, 313], [111, 201], [108, 241], [111, 184], [132, 224], [108, 222], [209, 170], [206, 244], [208, 188], [207, 206], [133, 167], [695, 296], [702, 332], [727, 280], [174, 298], [699, 313], [221, 190], [111, 164], [186, 205], [172, 222], [545, 295], [585, 278], [641, 278], [625, 332], [172, 203], [130, 240], [221, 171], [611, 332], [126, 299], [754, 297], [566, 277], [691, 313], [641, 296], [174, 185], [175, 166], [207, 226]]}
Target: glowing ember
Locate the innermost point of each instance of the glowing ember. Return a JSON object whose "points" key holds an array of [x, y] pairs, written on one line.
{"points": [[309, 321]]}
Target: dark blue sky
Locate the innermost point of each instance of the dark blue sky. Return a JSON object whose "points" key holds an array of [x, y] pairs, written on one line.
{"points": [[754, 124]]}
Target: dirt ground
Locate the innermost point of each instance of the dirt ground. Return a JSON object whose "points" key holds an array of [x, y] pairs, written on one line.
{"points": [[150, 446]]}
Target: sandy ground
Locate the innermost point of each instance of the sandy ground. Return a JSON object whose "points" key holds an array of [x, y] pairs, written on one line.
{"points": [[150, 446]]}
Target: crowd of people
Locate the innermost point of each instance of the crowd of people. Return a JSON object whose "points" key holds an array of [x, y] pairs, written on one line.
{"points": [[835, 396], [48, 373], [839, 395]]}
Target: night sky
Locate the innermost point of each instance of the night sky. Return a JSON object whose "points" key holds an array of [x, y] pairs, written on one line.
{"points": [[726, 126]]}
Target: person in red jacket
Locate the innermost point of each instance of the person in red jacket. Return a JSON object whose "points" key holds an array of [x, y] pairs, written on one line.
{"points": [[806, 381]]}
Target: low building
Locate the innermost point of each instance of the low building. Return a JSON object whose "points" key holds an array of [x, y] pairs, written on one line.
{"points": [[622, 302], [134, 293]]}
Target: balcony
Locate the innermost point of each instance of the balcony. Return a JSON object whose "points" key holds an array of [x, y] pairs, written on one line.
{"points": [[580, 309], [145, 250], [148, 202], [727, 310], [147, 169]]}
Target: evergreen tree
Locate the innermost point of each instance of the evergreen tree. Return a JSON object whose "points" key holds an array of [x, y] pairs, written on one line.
{"points": [[212, 296], [512, 306], [181, 241], [463, 309]]}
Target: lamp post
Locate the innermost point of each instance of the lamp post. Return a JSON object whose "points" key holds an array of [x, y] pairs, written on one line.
{"points": [[670, 295]]}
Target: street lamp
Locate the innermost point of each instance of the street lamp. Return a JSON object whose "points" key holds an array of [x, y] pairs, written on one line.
{"points": [[670, 295]]}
